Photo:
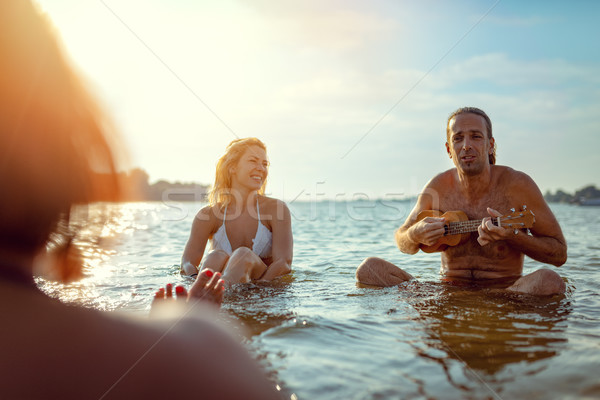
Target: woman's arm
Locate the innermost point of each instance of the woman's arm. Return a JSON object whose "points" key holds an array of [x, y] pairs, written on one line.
{"points": [[202, 228], [283, 242]]}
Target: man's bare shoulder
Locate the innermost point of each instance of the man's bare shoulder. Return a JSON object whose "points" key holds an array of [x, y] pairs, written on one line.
{"points": [[437, 188], [508, 177], [442, 181]]}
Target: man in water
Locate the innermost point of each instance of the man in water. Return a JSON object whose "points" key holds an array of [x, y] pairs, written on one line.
{"points": [[493, 255]]}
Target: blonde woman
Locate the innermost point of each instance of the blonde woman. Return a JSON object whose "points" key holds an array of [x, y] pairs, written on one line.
{"points": [[250, 234]]}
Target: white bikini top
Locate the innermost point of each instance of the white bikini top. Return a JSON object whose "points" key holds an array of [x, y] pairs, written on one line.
{"points": [[261, 244]]}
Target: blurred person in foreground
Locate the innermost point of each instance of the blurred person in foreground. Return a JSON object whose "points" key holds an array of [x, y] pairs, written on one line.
{"points": [[54, 154], [485, 252]]}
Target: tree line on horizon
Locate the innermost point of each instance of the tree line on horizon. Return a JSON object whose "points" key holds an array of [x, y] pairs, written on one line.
{"points": [[136, 187], [581, 195]]}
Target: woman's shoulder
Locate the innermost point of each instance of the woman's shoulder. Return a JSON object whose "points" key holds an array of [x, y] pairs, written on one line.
{"points": [[211, 213], [272, 206]]}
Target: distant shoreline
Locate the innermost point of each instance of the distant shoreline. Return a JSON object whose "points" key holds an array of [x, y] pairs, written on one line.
{"points": [[137, 188], [582, 196]]}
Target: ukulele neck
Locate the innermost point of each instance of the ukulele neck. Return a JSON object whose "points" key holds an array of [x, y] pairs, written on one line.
{"points": [[460, 227]]}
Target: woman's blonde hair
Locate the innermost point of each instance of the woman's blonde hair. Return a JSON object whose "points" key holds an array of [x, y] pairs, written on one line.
{"points": [[220, 193]]}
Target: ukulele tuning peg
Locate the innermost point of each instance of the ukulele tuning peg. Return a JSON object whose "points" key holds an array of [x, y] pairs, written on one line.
{"points": [[512, 210], [524, 208]]}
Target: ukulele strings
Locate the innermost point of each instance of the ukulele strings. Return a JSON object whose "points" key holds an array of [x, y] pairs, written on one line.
{"points": [[460, 227]]}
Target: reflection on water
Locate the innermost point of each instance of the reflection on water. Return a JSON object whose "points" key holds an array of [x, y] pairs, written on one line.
{"points": [[487, 331], [111, 239]]}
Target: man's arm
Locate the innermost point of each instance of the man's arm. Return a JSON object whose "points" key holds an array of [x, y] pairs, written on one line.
{"points": [[427, 231], [546, 243]]}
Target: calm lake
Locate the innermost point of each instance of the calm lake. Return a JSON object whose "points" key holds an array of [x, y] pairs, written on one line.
{"points": [[320, 336]]}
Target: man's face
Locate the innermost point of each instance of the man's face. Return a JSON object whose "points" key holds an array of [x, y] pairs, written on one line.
{"points": [[468, 144]]}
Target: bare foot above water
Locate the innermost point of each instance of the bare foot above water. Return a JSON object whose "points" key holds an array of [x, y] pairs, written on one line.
{"points": [[208, 288]]}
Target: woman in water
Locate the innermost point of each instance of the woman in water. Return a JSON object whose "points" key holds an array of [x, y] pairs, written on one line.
{"points": [[55, 155], [250, 234]]}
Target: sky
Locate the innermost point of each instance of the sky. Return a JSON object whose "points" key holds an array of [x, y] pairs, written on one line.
{"points": [[350, 97]]}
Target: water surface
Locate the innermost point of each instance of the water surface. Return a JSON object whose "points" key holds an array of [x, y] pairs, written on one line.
{"points": [[321, 337]]}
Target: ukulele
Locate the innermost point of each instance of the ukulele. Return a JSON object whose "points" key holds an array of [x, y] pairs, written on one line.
{"points": [[458, 226]]}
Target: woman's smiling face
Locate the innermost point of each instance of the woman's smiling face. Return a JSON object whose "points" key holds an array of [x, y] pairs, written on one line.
{"points": [[252, 168]]}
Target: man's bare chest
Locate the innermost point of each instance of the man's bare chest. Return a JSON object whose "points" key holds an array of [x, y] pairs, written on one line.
{"points": [[475, 206], [470, 254]]}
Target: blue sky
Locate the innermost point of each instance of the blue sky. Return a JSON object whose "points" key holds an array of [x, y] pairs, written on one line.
{"points": [[350, 97]]}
